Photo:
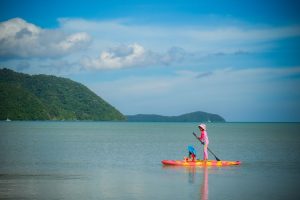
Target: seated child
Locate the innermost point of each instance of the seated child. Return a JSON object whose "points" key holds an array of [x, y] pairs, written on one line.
{"points": [[192, 154]]}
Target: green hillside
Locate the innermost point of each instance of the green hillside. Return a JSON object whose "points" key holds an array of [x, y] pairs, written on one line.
{"points": [[189, 117], [43, 97]]}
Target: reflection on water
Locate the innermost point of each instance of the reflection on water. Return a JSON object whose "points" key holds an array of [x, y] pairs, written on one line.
{"points": [[204, 184], [192, 172]]}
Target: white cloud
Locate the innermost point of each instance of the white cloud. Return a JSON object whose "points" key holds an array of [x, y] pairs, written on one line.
{"points": [[118, 57], [73, 41], [255, 34], [207, 39], [121, 44], [132, 55], [19, 38], [171, 45]]}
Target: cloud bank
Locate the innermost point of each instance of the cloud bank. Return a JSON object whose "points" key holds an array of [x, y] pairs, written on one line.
{"points": [[148, 45], [117, 44], [20, 39], [191, 37]]}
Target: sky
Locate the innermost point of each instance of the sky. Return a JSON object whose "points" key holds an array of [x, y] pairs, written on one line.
{"points": [[238, 59]]}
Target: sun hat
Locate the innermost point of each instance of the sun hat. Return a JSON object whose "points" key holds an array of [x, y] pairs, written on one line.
{"points": [[203, 126]]}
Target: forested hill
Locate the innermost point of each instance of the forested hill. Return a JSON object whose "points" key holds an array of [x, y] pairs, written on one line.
{"points": [[198, 116], [44, 97]]}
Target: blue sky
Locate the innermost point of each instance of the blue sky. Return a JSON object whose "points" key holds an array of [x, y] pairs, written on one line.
{"points": [[238, 59]]}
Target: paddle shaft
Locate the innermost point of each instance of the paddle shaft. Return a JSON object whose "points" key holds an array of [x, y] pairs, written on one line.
{"points": [[207, 147]]}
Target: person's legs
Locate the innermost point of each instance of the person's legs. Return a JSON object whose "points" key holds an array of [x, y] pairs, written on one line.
{"points": [[205, 152]]}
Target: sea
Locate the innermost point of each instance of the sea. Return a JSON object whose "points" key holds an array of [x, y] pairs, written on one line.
{"points": [[122, 160]]}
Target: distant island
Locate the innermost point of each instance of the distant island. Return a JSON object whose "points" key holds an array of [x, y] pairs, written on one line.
{"points": [[44, 97], [198, 116]]}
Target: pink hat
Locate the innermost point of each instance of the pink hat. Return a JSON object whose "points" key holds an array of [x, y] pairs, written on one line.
{"points": [[203, 126]]}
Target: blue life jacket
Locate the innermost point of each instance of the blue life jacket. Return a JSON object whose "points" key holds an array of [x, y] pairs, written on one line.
{"points": [[192, 150]]}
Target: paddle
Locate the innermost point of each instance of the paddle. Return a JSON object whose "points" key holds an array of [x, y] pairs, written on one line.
{"points": [[207, 147]]}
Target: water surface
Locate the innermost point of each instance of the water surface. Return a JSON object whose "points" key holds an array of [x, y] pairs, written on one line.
{"points": [[120, 160]]}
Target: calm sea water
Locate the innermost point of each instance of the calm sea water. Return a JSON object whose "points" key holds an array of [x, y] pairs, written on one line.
{"points": [[119, 160]]}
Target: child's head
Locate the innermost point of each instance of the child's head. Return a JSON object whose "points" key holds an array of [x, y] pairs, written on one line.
{"points": [[202, 127]]}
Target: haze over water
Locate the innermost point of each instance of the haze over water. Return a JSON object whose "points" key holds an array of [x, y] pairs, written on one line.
{"points": [[119, 160]]}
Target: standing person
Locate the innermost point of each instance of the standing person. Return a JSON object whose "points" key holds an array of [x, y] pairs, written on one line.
{"points": [[204, 139]]}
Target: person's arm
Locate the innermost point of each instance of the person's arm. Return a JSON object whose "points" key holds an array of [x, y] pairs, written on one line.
{"points": [[201, 138]]}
